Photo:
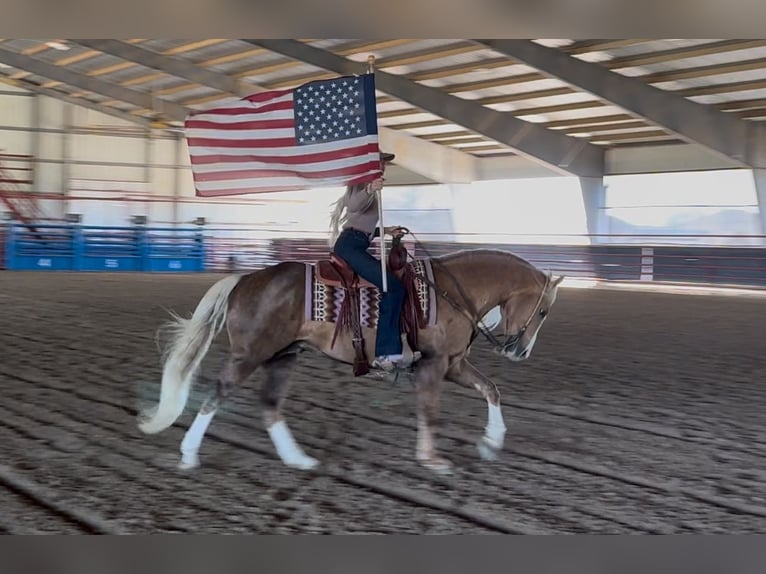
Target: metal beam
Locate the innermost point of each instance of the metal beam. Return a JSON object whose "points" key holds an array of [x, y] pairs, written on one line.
{"points": [[164, 108], [174, 66], [56, 94], [723, 133], [562, 153], [434, 161]]}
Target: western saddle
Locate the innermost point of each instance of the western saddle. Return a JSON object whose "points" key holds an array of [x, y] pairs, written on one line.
{"points": [[335, 272]]}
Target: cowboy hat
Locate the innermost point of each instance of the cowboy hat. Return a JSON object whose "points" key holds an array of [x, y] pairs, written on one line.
{"points": [[386, 157]]}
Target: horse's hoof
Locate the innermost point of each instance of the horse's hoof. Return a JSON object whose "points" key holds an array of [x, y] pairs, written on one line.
{"points": [[487, 451], [437, 464], [303, 463], [188, 465]]}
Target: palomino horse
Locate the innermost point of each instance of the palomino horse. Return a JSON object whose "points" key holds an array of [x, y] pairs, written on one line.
{"points": [[264, 313]]}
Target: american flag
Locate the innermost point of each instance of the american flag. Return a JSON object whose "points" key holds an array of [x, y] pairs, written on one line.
{"points": [[322, 133]]}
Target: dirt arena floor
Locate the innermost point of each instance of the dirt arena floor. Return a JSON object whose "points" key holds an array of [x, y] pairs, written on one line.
{"points": [[638, 413]]}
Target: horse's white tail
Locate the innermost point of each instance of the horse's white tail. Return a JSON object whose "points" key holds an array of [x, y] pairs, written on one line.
{"points": [[190, 341]]}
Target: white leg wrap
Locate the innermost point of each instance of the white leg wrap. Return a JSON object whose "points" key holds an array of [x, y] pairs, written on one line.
{"points": [[193, 439], [495, 429], [425, 445], [287, 449]]}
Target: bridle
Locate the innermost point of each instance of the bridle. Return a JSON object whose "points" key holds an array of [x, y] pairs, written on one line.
{"points": [[502, 348], [513, 339]]}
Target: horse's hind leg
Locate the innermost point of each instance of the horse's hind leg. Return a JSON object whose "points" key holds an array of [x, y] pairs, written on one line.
{"points": [[273, 395], [429, 374], [236, 370], [465, 374]]}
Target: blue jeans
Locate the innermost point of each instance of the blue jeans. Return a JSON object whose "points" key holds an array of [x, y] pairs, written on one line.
{"points": [[352, 247]]}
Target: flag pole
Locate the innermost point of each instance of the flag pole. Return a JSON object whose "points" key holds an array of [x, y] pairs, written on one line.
{"points": [[379, 193]]}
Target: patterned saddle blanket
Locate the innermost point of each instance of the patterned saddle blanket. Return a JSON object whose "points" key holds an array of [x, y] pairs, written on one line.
{"points": [[324, 301]]}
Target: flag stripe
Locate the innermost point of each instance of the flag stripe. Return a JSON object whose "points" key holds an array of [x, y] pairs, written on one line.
{"points": [[244, 191], [271, 107], [250, 115], [256, 173], [291, 156], [247, 144], [265, 134], [251, 185], [268, 95], [204, 192], [245, 163], [241, 125]]}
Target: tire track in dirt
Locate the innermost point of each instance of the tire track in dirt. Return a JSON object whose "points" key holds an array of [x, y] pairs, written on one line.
{"points": [[129, 467], [119, 464], [564, 412], [400, 493], [558, 460], [242, 421], [20, 516], [582, 468], [40, 496], [669, 488], [673, 488]]}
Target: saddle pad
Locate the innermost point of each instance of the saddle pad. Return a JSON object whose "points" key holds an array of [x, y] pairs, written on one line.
{"points": [[323, 303]]}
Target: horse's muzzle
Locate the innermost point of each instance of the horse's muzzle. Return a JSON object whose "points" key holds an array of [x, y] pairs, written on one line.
{"points": [[518, 354], [514, 351]]}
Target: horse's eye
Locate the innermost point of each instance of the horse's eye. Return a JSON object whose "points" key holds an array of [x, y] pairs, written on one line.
{"points": [[543, 312]]}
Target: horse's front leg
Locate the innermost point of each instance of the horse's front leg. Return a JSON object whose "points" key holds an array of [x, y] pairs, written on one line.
{"points": [[465, 374], [429, 374]]}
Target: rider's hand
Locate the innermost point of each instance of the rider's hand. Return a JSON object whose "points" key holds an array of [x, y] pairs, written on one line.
{"points": [[395, 231], [376, 185]]}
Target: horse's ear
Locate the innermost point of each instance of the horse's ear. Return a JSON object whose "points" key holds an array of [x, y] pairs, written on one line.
{"points": [[557, 281]]}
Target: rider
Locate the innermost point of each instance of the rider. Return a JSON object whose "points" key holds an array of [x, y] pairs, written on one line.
{"points": [[359, 228]]}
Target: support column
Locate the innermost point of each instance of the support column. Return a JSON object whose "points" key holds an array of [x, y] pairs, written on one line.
{"points": [[35, 151], [759, 177], [178, 144], [148, 144], [66, 171], [594, 201]]}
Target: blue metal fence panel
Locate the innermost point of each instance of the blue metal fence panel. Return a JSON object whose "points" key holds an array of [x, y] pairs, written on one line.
{"points": [[110, 249], [94, 248], [45, 247], [168, 249]]}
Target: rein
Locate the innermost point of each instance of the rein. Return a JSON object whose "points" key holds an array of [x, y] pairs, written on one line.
{"points": [[473, 315]]}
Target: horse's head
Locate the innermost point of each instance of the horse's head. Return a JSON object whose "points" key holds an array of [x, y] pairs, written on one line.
{"points": [[524, 312]]}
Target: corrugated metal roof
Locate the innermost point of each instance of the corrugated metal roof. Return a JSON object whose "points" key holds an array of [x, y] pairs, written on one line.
{"points": [[727, 74]]}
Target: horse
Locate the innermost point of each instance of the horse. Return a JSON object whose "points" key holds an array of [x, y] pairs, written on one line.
{"points": [[264, 313]]}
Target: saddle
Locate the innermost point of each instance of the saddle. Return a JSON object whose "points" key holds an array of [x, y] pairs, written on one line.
{"points": [[335, 272]]}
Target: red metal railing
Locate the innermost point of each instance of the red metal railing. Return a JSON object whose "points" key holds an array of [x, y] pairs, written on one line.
{"points": [[15, 187]]}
